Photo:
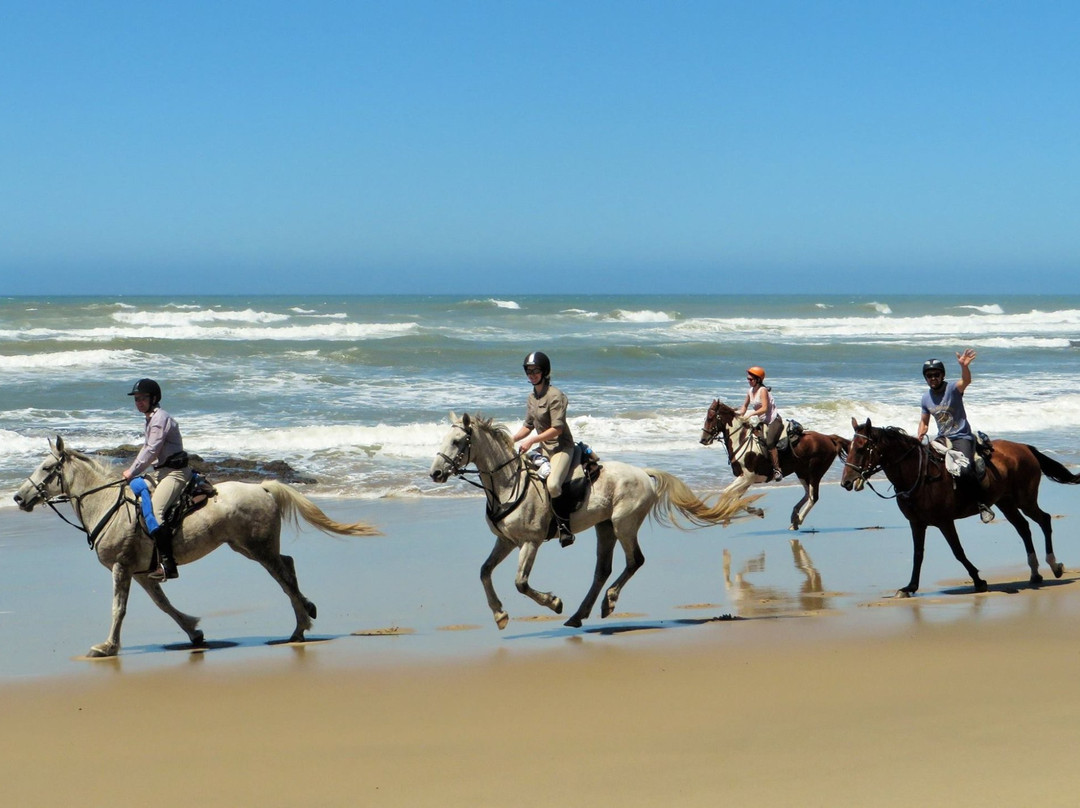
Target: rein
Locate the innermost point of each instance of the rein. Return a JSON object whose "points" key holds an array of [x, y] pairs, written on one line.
{"points": [[870, 470], [76, 500], [496, 509]]}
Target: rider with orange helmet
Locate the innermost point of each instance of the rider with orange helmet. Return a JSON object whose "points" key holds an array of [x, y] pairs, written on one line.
{"points": [[760, 405]]}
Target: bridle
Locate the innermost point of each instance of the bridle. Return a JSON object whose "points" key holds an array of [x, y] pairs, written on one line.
{"points": [[873, 464], [734, 453], [459, 467], [76, 499]]}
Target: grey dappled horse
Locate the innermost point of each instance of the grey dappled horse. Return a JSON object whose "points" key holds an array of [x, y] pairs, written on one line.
{"points": [[519, 511], [245, 516]]}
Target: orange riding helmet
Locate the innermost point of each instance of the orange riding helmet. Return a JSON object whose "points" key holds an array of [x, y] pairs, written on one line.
{"points": [[757, 371]]}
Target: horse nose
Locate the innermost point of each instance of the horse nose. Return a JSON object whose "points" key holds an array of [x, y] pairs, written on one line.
{"points": [[438, 475]]}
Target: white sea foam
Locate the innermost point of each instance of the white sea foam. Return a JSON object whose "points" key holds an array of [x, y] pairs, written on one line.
{"points": [[881, 308], [992, 308], [645, 316], [1056, 326], [73, 359], [331, 332], [506, 304], [187, 317]]}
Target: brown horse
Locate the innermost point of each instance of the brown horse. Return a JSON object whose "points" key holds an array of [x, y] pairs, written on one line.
{"points": [[809, 459], [926, 494]]}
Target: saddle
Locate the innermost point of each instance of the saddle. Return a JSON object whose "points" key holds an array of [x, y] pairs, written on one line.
{"points": [[790, 435], [195, 495]]}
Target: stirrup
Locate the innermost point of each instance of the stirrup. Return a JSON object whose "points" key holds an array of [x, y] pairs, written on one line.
{"points": [[777, 475], [158, 575], [985, 514]]}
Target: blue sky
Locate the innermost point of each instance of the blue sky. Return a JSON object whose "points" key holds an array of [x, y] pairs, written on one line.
{"points": [[514, 147]]}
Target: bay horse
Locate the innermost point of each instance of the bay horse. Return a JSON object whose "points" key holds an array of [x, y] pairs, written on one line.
{"points": [[808, 459], [245, 516], [926, 495], [518, 511]]}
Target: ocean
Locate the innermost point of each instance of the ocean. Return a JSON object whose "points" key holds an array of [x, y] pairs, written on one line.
{"points": [[355, 391]]}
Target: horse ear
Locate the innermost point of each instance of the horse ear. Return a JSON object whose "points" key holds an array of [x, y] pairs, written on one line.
{"points": [[453, 417], [854, 423], [59, 445], [465, 420]]}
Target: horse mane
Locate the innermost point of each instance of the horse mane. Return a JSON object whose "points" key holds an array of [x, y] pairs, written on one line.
{"points": [[722, 407], [894, 434], [499, 432], [106, 469]]}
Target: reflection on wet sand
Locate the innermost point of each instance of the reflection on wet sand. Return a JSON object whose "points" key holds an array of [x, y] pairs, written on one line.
{"points": [[752, 600]]}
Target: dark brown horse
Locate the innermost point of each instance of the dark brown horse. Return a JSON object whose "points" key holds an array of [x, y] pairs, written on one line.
{"points": [[808, 460], [926, 494]]}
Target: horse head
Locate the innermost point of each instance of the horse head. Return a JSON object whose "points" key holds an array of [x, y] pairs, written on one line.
{"points": [[719, 417], [863, 456], [475, 441], [46, 481]]}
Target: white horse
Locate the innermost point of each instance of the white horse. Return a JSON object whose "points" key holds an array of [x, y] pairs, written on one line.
{"points": [[518, 511], [245, 516]]}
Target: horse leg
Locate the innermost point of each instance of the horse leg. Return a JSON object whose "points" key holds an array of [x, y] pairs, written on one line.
{"points": [[740, 486], [803, 506], [918, 539], [526, 557], [283, 570], [948, 530], [1013, 515], [605, 549], [635, 559], [188, 624], [121, 588], [500, 551], [1044, 520]]}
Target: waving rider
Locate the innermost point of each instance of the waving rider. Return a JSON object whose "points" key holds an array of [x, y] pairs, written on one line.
{"points": [[945, 402]]}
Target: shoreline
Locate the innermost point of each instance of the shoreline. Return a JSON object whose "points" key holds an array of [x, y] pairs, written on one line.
{"points": [[824, 691]]}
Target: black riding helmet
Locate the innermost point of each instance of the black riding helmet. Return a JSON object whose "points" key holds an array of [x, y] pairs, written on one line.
{"points": [[540, 360], [147, 387], [933, 364]]}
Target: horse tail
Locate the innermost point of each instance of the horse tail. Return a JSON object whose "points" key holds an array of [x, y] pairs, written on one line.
{"points": [[1054, 470], [293, 505], [674, 498]]}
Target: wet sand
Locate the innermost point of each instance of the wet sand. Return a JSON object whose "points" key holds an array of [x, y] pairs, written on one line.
{"points": [[746, 663]]}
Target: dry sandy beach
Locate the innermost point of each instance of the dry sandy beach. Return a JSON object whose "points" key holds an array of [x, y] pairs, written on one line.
{"points": [[823, 692]]}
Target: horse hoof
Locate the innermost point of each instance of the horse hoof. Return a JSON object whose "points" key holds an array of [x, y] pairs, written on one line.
{"points": [[1059, 570], [101, 651], [309, 607], [298, 636], [904, 593], [1035, 579], [573, 622], [501, 619], [556, 605], [980, 586], [197, 639]]}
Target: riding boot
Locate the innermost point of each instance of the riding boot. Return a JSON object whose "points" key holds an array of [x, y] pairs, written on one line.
{"points": [[777, 475], [975, 490], [560, 507], [166, 570]]}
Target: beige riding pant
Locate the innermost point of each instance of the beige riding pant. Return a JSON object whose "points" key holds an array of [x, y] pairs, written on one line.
{"points": [[169, 485], [560, 465]]}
